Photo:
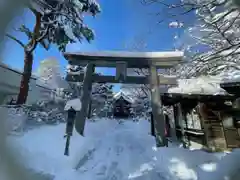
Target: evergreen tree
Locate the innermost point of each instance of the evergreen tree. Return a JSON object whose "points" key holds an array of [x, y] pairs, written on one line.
{"points": [[56, 22], [102, 98]]}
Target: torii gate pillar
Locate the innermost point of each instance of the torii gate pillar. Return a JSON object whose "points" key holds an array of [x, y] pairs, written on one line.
{"points": [[158, 117], [85, 98]]}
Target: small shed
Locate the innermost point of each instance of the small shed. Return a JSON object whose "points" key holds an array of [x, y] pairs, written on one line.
{"points": [[206, 118], [122, 105], [234, 88]]}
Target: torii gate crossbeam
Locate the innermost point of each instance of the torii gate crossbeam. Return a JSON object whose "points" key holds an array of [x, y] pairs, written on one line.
{"points": [[123, 60]]}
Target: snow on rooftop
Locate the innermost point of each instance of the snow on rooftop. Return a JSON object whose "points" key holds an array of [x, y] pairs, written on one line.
{"points": [[124, 96], [207, 84], [76, 104], [230, 76], [166, 54], [202, 85]]}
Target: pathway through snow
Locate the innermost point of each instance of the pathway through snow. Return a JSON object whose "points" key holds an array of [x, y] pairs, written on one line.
{"points": [[112, 151]]}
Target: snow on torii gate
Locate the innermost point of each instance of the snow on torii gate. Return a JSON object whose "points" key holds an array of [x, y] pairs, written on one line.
{"points": [[122, 61]]}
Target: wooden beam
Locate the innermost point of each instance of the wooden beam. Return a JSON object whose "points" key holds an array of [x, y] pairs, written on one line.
{"points": [[85, 99], [162, 64], [158, 117], [129, 79], [121, 71], [133, 59]]}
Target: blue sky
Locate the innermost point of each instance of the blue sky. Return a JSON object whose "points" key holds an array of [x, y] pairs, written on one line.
{"points": [[118, 24]]}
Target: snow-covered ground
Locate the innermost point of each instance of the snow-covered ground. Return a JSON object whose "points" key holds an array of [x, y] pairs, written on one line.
{"points": [[113, 151]]}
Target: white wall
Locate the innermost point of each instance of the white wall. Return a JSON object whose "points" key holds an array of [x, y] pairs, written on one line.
{"points": [[38, 92], [10, 82]]}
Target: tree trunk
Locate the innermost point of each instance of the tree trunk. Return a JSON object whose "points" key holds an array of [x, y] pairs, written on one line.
{"points": [[28, 59], [27, 73]]}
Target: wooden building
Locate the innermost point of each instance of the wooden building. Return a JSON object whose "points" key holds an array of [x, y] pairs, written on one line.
{"points": [[231, 88], [214, 113], [234, 88], [122, 105]]}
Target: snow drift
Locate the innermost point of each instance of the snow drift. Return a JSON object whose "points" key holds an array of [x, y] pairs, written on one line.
{"points": [[119, 151]]}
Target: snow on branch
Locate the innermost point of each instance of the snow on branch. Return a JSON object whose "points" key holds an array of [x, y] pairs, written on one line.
{"points": [[212, 44], [176, 24]]}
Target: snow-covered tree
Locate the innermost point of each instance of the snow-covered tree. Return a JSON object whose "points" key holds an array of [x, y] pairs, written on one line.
{"points": [[102, 93], [211, 44], [51, 107], [141, 107], [102, 99], [49, 74], [56, 22]]}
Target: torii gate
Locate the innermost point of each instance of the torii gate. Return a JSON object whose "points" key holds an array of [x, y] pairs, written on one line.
{"points": [[123, 60]]}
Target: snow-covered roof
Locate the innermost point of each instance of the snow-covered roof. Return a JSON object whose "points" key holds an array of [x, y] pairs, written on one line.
{"points": [[123, 54], [232, 76], [202, 85], [124, 96], [206, 84]]}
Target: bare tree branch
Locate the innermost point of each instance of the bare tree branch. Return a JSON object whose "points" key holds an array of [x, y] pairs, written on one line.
{"points": [[15, 39]]}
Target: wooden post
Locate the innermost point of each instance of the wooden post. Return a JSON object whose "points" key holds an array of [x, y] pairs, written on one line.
{"points": [[181, 120], [220, 117], [176, 120], [186, 137], [121, 71], [90, 109], [66, 150], [173, 125], [158, 117], [85, 99], [204, 125], [152, 126]]}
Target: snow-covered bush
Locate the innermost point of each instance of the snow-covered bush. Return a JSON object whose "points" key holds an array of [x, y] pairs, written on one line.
{"points": [[46, 112], [50, 109], [102, 100]]}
